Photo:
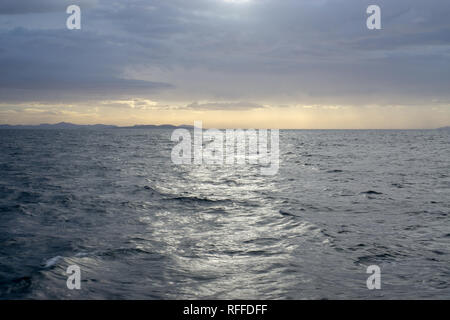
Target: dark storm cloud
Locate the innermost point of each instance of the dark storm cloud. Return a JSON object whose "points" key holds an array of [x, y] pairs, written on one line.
{"points": [[303, 50]]}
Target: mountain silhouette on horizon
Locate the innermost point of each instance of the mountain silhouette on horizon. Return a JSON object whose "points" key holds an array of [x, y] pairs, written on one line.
{"points": [[68, 125]]}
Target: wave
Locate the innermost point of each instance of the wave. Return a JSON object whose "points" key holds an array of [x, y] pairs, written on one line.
{"points": [[52, 262], [196, 199], [371, 192], [284, 212]]}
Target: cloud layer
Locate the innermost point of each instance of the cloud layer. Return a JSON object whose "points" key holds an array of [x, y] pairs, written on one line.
{"points": [[264, 52]]}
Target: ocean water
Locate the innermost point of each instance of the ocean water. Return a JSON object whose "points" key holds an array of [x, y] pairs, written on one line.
{"points": [[140, 227]]}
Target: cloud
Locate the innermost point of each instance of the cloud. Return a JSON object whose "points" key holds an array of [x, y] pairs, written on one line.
{"points": [[53, 64], [138, 104], [278, 52], [224, 106], [14, 7]]}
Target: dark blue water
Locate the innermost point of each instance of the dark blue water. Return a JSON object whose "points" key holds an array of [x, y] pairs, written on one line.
{"points": [[139, 227]]}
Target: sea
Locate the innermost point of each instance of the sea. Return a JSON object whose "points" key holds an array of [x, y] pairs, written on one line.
{"points": [[139, 226]]}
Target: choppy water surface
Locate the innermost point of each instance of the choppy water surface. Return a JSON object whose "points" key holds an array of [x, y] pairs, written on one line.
{"points": [[139, 227]]}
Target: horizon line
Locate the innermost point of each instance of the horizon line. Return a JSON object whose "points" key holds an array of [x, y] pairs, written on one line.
{"points": [[136, 126]]}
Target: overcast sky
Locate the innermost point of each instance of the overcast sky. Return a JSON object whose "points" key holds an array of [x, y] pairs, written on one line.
{"points": [[230, 63]]}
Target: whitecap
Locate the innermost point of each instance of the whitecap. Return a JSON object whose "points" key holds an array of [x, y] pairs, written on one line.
{"points": [[51, 262]]}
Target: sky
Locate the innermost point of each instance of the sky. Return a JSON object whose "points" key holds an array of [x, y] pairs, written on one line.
{"points": [[306, 64]]}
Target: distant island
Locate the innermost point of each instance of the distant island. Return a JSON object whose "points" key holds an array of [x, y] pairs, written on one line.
{"points": [[67, 125]]}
